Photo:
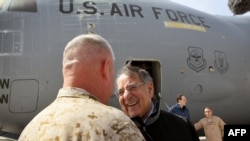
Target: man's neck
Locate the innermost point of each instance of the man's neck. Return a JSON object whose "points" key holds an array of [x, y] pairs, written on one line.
{"points": [[181, 105]]}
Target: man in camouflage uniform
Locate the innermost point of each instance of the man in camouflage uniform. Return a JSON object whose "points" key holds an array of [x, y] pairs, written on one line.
{"points": [[78, 113]]}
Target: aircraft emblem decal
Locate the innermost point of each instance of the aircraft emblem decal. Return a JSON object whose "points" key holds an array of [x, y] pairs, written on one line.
{"points": [[195, 60], [220, 62]]}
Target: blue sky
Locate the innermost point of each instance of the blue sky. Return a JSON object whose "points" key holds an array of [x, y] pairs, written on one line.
{"points": [[214, 7]]}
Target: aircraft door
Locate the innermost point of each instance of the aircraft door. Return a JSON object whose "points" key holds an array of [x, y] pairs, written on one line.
{"points": [[23, 95], [154, 69]]}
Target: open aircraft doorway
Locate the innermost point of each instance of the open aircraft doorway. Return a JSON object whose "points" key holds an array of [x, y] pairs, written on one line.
{"points": [[154, 69], [163, 36]]}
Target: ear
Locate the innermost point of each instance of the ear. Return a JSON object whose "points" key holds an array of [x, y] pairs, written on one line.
{"points": [[151, 89], [105, 68]]}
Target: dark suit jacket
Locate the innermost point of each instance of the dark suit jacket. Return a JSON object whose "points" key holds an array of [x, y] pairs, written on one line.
{"points": [[167, 127]]}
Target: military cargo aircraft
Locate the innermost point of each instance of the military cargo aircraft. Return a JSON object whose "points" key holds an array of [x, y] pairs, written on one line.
{"points": [[205, 57]]}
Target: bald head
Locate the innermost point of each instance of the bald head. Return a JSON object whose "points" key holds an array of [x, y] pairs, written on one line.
{"points": [[87, 46], [88, 63]]}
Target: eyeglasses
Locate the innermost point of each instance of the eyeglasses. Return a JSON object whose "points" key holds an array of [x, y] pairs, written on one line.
{"points": [[129, 88]]}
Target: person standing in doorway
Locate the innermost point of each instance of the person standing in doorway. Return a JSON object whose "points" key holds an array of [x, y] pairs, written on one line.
{"points": [[138, 101]]}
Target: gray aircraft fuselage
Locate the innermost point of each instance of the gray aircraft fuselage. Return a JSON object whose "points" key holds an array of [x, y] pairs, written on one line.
{"points": [[205, 57]]}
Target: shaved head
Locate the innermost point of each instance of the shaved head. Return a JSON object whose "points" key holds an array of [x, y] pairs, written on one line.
{"points": [[88, 63], [86, 47]]}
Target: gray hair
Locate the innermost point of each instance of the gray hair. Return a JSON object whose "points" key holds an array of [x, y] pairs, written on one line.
{"points": [[132, 71]]}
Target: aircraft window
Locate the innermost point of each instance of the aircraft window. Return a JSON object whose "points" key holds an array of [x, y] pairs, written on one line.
{"points": [[1, 4], [23, 5], [10, 43], [19, 90]]}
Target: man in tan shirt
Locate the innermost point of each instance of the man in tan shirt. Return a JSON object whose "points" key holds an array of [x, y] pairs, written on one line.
{"points": [[213, 126]]}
